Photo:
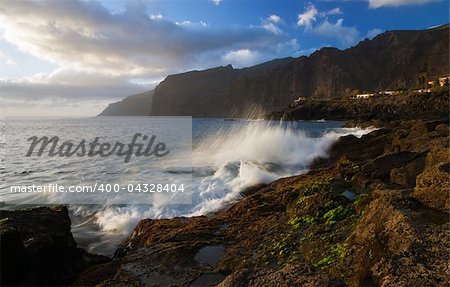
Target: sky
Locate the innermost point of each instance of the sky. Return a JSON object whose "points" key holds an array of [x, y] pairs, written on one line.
{"points": [[73, 57]]}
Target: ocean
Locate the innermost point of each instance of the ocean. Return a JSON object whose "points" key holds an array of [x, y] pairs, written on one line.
{"points": [[224, 157]]}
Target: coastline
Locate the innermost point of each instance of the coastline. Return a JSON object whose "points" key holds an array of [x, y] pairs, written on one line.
{"points": [[380, 111], [361, 204], [357, 218], [225, 144]]}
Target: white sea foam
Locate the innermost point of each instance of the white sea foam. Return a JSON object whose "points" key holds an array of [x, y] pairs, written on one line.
{"points": [[228, 156], [247, 155], [228, 161]]}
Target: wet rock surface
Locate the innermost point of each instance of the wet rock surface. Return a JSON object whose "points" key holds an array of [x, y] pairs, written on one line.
{"points": [[375, 213], [37, 248]]}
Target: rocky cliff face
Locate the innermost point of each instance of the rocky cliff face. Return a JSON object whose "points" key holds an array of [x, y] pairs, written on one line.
{"points": [[136, 105], [392, 60]]}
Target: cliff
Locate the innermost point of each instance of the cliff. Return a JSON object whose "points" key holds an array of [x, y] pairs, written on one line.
{"points": [[136, 105], [392, 60]]}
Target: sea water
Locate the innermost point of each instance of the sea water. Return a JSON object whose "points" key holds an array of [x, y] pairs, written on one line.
{"points": [[227, 157]]}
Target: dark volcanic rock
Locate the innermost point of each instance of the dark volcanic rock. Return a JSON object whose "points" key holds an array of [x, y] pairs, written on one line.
{"points": [[433, 184], [306, 231], [408, 106], [395, 243], [382, 166], [167, 252], [367, 147], [407, 173], [37, 248], [14, 258]]}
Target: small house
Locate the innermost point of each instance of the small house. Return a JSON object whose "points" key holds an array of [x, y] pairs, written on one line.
{"points": [[364, 96], [390, 93]]}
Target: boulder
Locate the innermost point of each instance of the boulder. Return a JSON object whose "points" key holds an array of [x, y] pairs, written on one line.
{"points": [[406, 174], [433, 185], [401, 167], [397, 243], [38, 248], [421, 128], [356, 149]]}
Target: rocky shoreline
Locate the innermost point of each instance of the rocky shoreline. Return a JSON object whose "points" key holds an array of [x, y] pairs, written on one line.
{"points": [[381, 110], [374, 213]]}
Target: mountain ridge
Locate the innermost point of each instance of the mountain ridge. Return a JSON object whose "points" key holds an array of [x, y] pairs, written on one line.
{"points": [[391, 60]]}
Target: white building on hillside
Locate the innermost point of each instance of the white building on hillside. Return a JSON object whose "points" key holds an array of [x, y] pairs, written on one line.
{"points": [[390, 93], [364, 96]]}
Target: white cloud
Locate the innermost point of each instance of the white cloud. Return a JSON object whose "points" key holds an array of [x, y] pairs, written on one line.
{"points": [[311, 15], [216, 2], [7, 59], [346, 35], [185, 22], [192, 24], [98, 54], [241, 58], [308, 17], [69, 85], [381, 3], [156, 17], [372, 33], [272, 23], [272, 28], [63, 93], [335, 11], [85, 36], [67, 92], [274, 19], [289, 47]]}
